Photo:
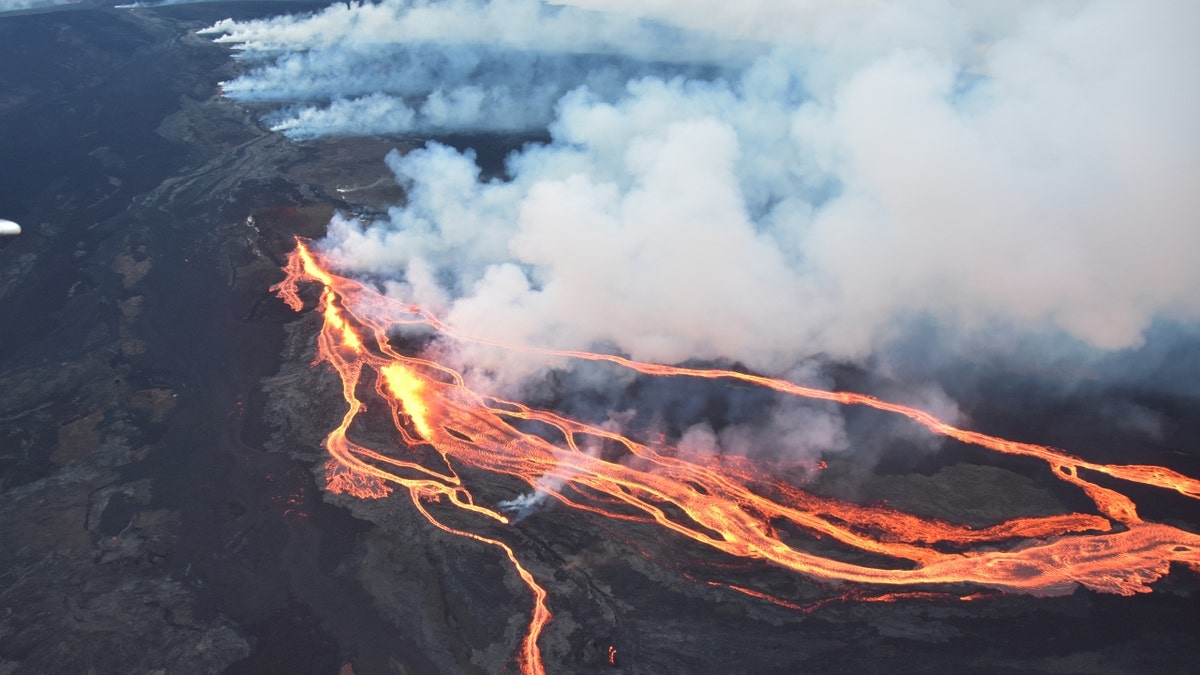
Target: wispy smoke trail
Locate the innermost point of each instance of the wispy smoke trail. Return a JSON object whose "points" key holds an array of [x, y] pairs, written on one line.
{"points": [[765, 182], [453, 66]]}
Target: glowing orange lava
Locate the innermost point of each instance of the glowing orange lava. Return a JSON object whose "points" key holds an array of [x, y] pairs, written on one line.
{"points": [[731, 507]]}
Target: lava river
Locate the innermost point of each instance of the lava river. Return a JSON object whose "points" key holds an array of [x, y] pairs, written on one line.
{"points": [[731, 506]]}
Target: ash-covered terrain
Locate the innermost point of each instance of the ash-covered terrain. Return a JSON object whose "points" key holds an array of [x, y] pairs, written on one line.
{"points": [[163, 505]]}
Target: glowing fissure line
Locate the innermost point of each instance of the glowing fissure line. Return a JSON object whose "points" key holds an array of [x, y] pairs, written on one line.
{"points": [[848, 597], [708, 501]]}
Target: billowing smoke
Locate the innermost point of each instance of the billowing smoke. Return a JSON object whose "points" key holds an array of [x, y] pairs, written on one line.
{"points": [[766, 182]]}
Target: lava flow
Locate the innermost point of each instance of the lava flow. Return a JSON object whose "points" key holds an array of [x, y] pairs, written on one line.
{"points": [[732, 507]]}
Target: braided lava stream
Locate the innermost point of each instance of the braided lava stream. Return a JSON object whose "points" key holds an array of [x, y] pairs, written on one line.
{"points": [[732, 506]]}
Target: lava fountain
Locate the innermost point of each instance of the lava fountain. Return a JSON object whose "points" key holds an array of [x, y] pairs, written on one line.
{"points": [[444, 430]]}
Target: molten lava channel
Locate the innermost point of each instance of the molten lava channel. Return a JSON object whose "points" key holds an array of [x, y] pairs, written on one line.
{"points": [[717, 504]]}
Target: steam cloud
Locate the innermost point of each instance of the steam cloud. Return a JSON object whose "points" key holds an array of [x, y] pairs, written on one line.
{"points": [[765, 182]]}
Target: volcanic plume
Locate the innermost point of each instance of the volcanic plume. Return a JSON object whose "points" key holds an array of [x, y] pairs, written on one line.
{"points": [[729, 189]]}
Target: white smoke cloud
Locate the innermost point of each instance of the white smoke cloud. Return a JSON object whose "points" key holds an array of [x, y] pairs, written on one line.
{"points": [[776, 179], [519, 25]]}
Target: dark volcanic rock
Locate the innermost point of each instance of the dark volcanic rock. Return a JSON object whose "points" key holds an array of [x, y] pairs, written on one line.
{"points": [[137, 533]]}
